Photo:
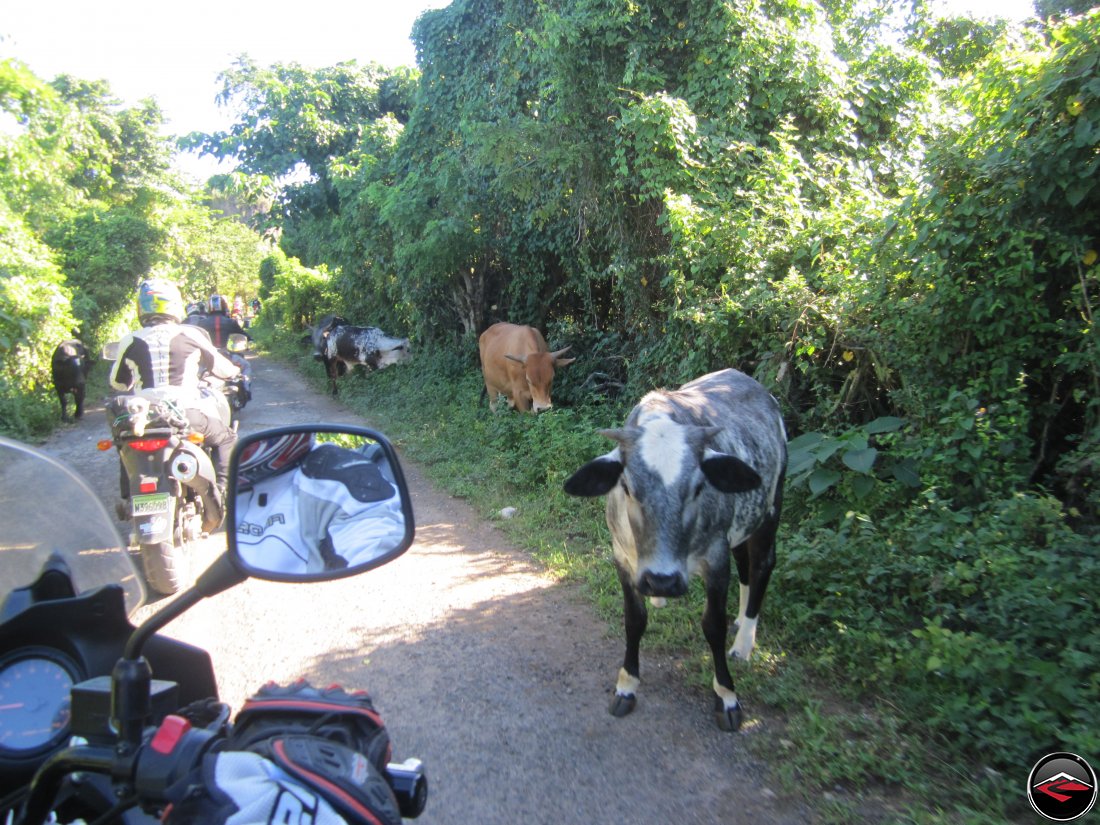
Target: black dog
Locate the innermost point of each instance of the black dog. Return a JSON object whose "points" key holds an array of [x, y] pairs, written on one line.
{"points": [[69, 367]]}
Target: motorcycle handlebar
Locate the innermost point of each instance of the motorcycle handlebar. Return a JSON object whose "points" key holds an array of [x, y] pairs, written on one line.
{"points": [[47, 781], [167, 755]]}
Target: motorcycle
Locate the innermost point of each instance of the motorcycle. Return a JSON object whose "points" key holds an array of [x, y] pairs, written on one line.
{"points": [[102, 721], [170, 497], [238, 392]]}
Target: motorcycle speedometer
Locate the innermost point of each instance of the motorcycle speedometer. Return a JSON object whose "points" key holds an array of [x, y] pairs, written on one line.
{"points": [[35, 690]]}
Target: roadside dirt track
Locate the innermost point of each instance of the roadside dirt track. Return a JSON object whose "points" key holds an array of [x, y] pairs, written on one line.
{"points": [[491, 673]]}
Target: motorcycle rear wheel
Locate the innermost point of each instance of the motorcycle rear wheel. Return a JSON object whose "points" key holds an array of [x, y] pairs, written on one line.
{"points": [[165, 566], [165, 562]]}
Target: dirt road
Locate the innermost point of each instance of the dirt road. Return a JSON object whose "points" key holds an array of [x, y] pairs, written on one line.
{"points": [[492, 674]]}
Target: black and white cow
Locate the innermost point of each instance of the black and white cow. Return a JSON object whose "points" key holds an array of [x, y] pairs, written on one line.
{"points": [[340, 346], [696, 473], [69, 368], [320, 332]]}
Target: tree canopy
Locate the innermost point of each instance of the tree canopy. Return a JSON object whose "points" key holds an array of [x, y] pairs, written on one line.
{"points": [[809, 190], [90, 207]]}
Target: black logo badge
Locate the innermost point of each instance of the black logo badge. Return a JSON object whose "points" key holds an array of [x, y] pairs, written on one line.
{"points": [[1062, 787]]}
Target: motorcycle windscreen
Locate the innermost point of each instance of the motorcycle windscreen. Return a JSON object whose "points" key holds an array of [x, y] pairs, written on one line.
{"points": [[46, 509]]}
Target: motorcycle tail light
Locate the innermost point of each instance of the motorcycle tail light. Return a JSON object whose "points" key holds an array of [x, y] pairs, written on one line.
{"points": [[148, 445], [148, 486]]}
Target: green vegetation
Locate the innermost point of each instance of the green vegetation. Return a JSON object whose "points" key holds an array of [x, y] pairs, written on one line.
{"points": [[88, 208], [888, 219]]}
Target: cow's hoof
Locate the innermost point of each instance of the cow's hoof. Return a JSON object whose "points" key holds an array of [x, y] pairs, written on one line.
{"points": [[622, 704], [727, 719]]}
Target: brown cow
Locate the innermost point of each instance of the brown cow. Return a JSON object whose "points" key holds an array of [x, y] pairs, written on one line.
{"points": [[515, 363]]}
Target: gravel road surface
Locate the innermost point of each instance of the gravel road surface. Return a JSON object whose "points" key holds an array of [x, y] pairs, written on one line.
{"points": [[494, 675]]}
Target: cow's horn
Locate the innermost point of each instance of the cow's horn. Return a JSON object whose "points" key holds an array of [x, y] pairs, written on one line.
{"points": [[561, 352], [626, 435]]}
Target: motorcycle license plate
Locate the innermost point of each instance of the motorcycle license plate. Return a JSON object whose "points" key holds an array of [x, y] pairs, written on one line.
{"points": [[151, 505]]}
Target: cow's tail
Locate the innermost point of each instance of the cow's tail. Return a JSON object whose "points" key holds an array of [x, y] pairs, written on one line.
{"points": [[484, 394]]}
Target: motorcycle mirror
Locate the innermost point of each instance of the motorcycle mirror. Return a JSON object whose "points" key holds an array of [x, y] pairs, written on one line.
{"points": [[316, 502], [237, 342], [110, 351]]}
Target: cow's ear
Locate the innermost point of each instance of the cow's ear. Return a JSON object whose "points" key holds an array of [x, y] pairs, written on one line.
{"points": [[729, 474], [596, 478], [517, 359]]}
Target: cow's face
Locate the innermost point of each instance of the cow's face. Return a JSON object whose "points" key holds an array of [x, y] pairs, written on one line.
{"points": [[392, 351], [369, 346], [667, 499], [538, 370]]}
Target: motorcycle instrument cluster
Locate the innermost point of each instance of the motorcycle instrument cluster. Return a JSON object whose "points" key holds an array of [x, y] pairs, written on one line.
{"points": [[34, 701]]}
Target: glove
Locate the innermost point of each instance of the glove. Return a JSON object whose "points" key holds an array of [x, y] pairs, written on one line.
{"points": [[334, 714], [344, 778], [237, 788], [329, 743]]}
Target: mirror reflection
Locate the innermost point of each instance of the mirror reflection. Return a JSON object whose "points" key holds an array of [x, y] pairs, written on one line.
{"points": [[316, 503]]}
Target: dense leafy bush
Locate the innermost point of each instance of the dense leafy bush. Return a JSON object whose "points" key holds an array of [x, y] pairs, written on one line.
{"points": [[35, 315], [293, 295], [980, 622]]}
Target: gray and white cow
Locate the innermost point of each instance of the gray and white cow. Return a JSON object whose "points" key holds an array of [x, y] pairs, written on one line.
{"points": [[696, 473], [340, 346]]}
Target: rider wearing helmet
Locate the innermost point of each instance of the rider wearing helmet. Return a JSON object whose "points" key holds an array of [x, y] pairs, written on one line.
{"points": [[270, 457], [304, 509], [217, 322], [163, 360]]}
